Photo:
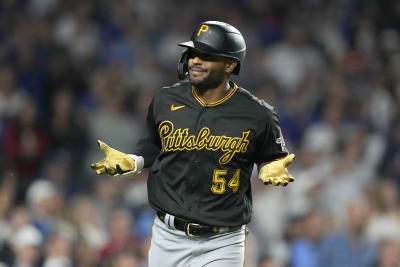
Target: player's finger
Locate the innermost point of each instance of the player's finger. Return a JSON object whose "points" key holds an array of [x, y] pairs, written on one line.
{"points": [[274, 181], [288, 159], [97, 165], [104, 147], [267, 181], [282, 180], [111, 171], [288, 177], [101, 171]]}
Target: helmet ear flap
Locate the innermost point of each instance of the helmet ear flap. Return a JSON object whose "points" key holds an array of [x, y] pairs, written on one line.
{"points": [[183, 65]]}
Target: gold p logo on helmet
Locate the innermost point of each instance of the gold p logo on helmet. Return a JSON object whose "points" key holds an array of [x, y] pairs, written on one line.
{"points": [[203, 28]]}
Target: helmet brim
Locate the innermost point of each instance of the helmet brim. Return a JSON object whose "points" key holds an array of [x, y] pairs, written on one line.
{"points": [[202, 47], [187, 44]]}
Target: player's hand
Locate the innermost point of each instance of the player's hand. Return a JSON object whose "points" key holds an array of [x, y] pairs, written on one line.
{"points": [[114, 163], [276, 173]]}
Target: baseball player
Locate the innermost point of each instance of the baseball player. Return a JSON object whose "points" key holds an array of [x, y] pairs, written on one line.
{"points": [[204, 135]]}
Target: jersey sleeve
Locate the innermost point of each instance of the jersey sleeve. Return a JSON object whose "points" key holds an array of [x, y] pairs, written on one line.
{"points": [[270, 142], [150, 145]]}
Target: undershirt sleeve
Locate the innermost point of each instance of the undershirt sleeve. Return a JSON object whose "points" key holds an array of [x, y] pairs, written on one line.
{"points": [[149, 146]]}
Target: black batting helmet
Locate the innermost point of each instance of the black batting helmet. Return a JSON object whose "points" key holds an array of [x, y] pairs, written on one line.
{"points": [[216, 38]]}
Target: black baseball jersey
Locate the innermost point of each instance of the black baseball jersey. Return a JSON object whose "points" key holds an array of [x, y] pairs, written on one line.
{"points": [[202, 155]]}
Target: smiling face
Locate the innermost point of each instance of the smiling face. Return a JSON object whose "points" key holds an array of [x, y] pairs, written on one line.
{"points": [[208, 71]]}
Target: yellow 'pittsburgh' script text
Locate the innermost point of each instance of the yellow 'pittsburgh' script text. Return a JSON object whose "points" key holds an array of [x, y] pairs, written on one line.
{"points": [[179, 139]]}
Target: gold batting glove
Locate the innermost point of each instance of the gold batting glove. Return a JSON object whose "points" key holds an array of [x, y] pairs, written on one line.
{"points": [[276, 173], [117, 163]]}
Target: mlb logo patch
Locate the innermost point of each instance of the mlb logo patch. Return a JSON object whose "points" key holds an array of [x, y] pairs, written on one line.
{"points": [[281, 141]]}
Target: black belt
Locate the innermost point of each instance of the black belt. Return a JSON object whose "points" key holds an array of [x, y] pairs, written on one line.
{"points": [[195, 229]]}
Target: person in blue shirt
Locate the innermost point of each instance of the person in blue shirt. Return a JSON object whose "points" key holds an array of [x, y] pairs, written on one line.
{"points": [[348, 247], [304, 250]]}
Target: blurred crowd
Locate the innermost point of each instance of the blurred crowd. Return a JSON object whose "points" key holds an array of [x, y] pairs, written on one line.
{"points": [[75, 71]]}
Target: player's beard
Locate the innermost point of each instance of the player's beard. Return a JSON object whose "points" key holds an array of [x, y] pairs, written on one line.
{"points": [[211, 81]]}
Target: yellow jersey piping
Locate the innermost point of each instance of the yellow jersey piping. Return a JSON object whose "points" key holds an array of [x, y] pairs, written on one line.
{"points": [[213, 104]]}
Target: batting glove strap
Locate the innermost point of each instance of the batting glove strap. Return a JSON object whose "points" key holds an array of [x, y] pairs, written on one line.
{"points": [[139, 164]]}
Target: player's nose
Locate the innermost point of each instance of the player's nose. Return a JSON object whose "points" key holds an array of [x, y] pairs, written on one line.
{"points": [[196, 60]]}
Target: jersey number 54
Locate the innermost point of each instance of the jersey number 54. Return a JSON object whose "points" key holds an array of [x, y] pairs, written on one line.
{"points": [[219, 180]]}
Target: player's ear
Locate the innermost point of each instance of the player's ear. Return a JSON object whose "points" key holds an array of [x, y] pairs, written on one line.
{"points": [[230, 65]]}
